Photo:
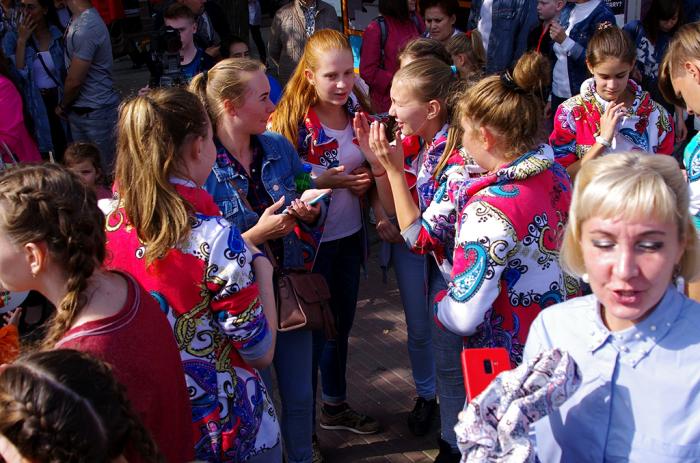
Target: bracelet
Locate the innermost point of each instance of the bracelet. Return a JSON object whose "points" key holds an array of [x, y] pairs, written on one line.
{"points": [[380, 175], [602, 141]]}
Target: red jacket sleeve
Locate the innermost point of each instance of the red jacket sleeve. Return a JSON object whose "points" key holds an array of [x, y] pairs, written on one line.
{"points": [[379, 80]]}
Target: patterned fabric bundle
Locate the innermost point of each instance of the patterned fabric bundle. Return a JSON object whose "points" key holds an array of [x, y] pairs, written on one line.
{"points": [[495, 426]]}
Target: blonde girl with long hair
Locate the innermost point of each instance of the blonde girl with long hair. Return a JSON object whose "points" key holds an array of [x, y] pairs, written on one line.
{"points": [[315, 114], [213, 286], [253, 183]]}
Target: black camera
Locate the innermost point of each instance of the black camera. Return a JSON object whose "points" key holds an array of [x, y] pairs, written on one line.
{"points": [[164, 59]]}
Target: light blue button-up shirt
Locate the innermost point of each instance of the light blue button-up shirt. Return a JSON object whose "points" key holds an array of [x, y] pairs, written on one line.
{"points": [[639, 400]]}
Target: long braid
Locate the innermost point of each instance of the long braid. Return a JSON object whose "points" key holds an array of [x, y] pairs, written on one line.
{"points": [[44, 204]]}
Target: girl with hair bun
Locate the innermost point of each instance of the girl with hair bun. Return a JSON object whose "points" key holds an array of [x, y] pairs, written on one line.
{"points": [[612, 113], [52, 240], [505, 260], [212, 285], [65, 406]]}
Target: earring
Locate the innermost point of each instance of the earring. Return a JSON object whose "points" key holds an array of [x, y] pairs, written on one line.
{"points": [[585, 278]]}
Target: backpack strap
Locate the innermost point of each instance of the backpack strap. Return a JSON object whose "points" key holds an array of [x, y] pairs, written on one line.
{"points": [[382, 40]]}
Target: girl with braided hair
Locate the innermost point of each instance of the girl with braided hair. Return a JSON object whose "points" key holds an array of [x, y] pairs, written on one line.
{"points": [[50, 413], [52, 241]]}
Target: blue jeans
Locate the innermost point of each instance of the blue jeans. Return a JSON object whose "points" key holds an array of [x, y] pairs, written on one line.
{"points": [[410, 274], [339, 262], [292, 365], [99, 127], [448, 350]]}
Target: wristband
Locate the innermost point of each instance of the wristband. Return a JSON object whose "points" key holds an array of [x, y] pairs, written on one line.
{"points": [[256, 255], [602, 141], [380, 175]]}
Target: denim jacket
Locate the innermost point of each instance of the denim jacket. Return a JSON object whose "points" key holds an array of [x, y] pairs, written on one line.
{"points": [[581, 33], [279, 167], [512, 21], [30, 91]]}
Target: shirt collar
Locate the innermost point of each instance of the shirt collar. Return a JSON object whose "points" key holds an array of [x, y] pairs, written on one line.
{"points": [[636, 342]]}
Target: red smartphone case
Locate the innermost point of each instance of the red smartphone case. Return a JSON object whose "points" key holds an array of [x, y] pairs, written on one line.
{"points": [[480, 366]]}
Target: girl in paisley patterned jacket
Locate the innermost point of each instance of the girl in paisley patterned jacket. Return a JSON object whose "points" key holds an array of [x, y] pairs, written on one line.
{"points": [[509, 219], [612, 113], [168, 233], [422, 94]]}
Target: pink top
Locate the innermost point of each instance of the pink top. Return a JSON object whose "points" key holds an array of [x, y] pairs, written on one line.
{"points": [[379, 80], [13, 132]]}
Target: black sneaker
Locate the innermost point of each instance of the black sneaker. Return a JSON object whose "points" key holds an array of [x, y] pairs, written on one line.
{"points": [[348, 419], [447, 454], [420, 419]]}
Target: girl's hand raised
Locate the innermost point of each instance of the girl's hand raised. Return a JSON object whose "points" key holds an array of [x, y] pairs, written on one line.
{"points": [[360, 125], [609, 119], [391, 157]]}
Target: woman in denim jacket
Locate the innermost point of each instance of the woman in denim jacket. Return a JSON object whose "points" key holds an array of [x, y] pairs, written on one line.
{"points": [[36, 50], [252, 181]]}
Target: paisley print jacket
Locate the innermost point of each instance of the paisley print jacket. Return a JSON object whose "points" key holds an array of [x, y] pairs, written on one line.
{"points": [[506, 257], [207, 289], [647, 126]]}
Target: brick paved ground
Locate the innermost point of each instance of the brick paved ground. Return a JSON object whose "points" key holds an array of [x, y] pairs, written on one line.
{"points": [[379, 380]]}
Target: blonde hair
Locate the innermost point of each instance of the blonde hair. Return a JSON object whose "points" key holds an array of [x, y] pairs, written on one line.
{"points": [[299, 94], [227, 80], [684, 46], [471, 45], [431, 79], [152, 131], [511, 106], [652, 187]]}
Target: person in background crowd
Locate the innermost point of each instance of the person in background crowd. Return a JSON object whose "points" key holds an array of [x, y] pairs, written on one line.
{"points": [[254, 22], [691, 11], [504, 26], [52, 240], [651, 36], [578, 21], [250, 167], [392, 30], [49, 412], [440, 17], [215, 289], [89, 100], [630, 236], [16, 144], [540, 39], [36, 49], [292, 26], [236, 47], [423, 47], [468, 55], [212, 26], [83, 159], [315, 115], [193, 58], [63, 13], [612, 113], [9, 14], [679, 82]]}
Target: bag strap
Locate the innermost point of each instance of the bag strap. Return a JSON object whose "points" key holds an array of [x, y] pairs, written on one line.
{"points": [[266, 245], [46, 68], [382, 40]]}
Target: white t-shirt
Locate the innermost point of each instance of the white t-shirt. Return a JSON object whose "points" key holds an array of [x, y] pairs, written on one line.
{"points": [[560, 79], [344, 214], [485, 22]]}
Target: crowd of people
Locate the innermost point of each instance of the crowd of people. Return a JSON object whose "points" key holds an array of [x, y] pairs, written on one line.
{"points": [[534, 182]]}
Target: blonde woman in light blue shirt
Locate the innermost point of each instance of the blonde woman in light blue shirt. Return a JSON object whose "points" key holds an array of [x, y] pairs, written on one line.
{"points": [[636, 339]]}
